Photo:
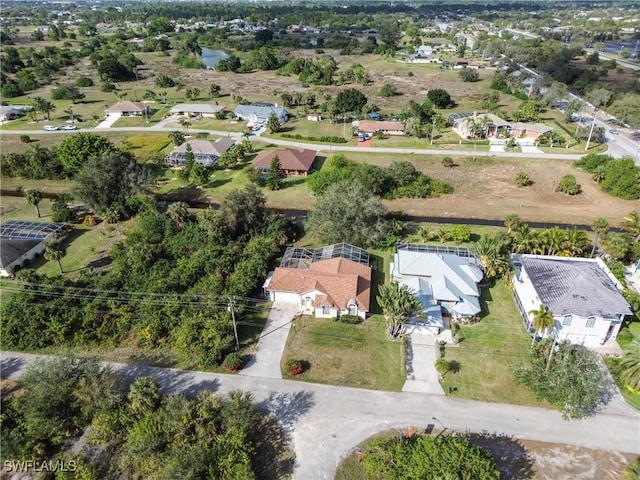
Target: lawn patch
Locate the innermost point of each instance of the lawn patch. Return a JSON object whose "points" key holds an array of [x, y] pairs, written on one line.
{"points": [[342, 354], [489, 353]]}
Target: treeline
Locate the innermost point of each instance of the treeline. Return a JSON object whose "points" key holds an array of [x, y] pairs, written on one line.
{"points": [[135, 431], [183, 268], [400, 179], [619, 177]]}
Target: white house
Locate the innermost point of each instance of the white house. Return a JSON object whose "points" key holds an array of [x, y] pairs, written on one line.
{"points": [[326, 282], [260, 112], [196, 109], [583, 295], [444, 279]]}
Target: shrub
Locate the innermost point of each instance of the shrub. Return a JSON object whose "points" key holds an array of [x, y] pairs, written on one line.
{"points": [[67, 92], [522, 179], [163, 81], [442, 366], [569, 185], [25, 138], [89, 220], [295, 367], [351, 319], [107, 87], [84, 82], [447, 162], [232, 362]]}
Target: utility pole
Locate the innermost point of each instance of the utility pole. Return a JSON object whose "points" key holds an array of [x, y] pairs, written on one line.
{"points": [[593, 124], [233, 318]]}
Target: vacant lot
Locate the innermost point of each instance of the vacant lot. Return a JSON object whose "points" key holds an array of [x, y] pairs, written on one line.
{"points": [[524, 460], [489, 352]]}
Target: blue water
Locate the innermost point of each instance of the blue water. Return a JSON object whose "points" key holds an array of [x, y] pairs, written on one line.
{"points": [[210, 58]]}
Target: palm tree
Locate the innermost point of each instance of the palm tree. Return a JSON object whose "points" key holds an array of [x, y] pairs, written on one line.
{"points": [[178, 213], [542, 320], [552, 240], [397, 302], [144, 396], [575, 241], [185, 124], [53, 252], [47, 107], [490, 252], [600, 226], [631, 224], [33, 197], [512, 222], [69, 110], [630, 366]]}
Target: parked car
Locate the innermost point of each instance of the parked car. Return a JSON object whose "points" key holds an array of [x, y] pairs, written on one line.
{"points": [[69, 126], [50, 128], [613, 131]]}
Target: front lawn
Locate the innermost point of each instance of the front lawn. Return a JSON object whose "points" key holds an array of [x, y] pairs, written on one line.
{"points": [[489, 353], [341, 354]]}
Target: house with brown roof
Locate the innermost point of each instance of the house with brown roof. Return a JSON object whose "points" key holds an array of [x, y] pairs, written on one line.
{"points": [[529, 130], [292, 161], [326, 282], [206, 152], [129, 108], [388, 128]]}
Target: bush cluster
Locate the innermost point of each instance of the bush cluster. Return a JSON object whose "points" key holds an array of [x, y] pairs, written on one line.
{"points": [[350, 319], [324, 138], [619, 177]]}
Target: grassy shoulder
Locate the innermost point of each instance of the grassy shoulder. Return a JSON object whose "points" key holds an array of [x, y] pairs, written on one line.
{"points": [[489, 353], [351, 355]]}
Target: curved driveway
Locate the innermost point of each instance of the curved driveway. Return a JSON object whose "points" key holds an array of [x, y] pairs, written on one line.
{"points": [[326, 422]]}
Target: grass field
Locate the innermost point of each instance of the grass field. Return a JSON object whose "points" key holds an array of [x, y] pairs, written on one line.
{"points": [[490, 351], [351, 355]]}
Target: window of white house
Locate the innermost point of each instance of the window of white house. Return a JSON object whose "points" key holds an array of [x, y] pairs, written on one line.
{"points": [[326, 310], [567, 320], [591, 321], [353, 309]]}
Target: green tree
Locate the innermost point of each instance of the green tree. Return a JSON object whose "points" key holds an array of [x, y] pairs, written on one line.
{"points": [[469, 75], [490, 252], [348, 212], [600, 227], [274, 176], [273, 123], [144, 396], [630, 365], [350, 100], [110, 181], [512, 222], [178, 213], [440, 98], [522, 179], [214, 90], [542, 321], [67, 92], [631, 224], [569, 185], [571, 379], [53, 252], [177, 137], [398, 303], [33, 197], [76, 149], [447, 162], [192, 93], [388, 90]]}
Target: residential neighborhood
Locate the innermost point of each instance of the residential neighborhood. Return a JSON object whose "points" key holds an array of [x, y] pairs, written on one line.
{"points": [[260, 240]]}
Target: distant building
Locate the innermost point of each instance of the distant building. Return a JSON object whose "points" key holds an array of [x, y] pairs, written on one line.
{"points": [[9, 112]]}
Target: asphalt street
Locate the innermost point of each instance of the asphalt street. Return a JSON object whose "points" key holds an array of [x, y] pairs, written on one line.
{"points": [[325, 422]]}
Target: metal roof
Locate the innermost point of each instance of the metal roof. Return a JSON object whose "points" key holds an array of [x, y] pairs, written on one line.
{"points": [[441, 249], [28, 229], [302, 257]]}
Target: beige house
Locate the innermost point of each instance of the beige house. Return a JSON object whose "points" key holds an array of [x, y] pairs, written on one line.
{"points": [[388, 128], [205, 110], [128, 108]]}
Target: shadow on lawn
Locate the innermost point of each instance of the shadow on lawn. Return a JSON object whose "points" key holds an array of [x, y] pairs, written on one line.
{"points": [[512, 458]]}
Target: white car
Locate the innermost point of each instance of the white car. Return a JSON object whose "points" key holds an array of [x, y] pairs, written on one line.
{"points": [[50, 128], [69, 127]]}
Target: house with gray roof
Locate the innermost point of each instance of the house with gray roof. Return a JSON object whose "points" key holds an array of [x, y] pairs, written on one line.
{"points": [[583, 295], [444, 279], [196, 110], [206, 152], [260, 113]]}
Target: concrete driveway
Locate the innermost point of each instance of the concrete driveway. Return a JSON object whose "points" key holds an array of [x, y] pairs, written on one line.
{"points": [[109, 121], [422, 375], [266, 359]]}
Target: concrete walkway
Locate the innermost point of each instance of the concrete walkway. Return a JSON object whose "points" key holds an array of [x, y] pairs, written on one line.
{"points": [[266, 360], [325, 422], [422, 375]]}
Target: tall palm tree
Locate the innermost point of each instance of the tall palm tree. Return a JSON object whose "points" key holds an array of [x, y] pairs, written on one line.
{"points": [[630, 366], [542, 321], [600, 226], [552, 240], [33, 197], [631, 224], [178, 213], [46, 108], [53, 252], [490, 252], [575, 242], [397, 302]]}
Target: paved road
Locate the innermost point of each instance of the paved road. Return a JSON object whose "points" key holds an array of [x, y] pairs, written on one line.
{"points": [[323, 147], [266, 360], [325, 422]]}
